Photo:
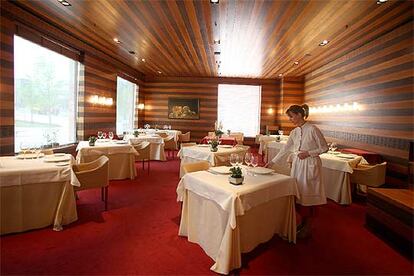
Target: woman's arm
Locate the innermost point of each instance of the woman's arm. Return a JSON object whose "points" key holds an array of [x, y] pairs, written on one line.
{"points": [[320, 141], [288, 147]]}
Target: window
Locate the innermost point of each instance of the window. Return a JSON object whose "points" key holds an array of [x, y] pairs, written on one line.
{"points": [[45, 96], [239, 108], [125, 105]]}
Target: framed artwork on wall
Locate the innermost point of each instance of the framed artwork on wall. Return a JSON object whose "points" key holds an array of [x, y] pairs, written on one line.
{"points": [[183, 108]]}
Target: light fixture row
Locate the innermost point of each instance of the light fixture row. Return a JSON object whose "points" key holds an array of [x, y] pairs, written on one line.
{"points": [[99, 100], [346, 107]]}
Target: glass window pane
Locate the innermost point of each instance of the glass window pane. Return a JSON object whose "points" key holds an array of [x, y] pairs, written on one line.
{"points": [[239, 108], [45, 96], [125, 105]]}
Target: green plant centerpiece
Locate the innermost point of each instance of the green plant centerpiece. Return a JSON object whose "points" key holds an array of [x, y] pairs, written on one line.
{"points": [[136, 133], [92, 140], [236, 177], [218, 133], [213, 145]]}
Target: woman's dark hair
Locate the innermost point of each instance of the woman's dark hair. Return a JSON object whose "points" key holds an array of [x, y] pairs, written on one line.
{"points": [[299, 109]]}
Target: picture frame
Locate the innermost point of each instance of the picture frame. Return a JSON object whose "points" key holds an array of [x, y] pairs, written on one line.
{"points": [[184, 108]]}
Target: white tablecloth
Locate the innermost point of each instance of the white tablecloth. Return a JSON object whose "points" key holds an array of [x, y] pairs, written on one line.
{"points": [[336, 170], [226, 220], [266, 139], [156, 146], [169, 132], [203, 153], [35, 194], [121, 157]]}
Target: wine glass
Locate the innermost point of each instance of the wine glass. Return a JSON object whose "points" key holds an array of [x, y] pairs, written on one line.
{"points": [[104, 135], [111, 135], [248, 160], [333, 146], [234, 159], [99, 134], [254, 162], [281, 132]]}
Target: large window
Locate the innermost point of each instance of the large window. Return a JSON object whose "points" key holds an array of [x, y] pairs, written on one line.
{"points": [[126, 93], [239, 108], [45, 96]]}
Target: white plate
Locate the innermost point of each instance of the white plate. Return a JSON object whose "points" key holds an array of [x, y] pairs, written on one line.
{"points": [[261, 170], [203, 145], [62, 164], [220, 170], [121, 142], [29, 156], [59, 154], [52, 158]]}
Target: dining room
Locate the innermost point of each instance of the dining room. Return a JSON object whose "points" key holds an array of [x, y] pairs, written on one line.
{"points": [[206, 137]]}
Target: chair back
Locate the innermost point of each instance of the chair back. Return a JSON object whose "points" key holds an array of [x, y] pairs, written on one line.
{"points": [[144, 151], [169, 143], [196, 166], [211, 134], [184, 137], [47, 151], [272, 129], [94, 174], [182, 145], [163, 134], [369, 175], [239, 136]]}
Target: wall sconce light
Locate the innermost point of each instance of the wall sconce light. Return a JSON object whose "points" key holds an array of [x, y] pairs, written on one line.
{"points": [[346, 107], [270, 111], [141, 106], [95, 99]]}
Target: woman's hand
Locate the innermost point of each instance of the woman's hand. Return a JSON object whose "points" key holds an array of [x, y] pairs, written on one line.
{"points": [[303, 154]]}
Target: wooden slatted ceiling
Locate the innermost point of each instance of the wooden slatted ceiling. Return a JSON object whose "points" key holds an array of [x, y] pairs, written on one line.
{"points": [[258, 39]]}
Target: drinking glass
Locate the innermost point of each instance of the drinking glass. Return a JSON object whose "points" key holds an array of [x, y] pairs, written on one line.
{"points": [[104, 135], [333, 147], [234, 159], [255, 162], [99, 134], [281, 132], [111, 135], [248, 160]]}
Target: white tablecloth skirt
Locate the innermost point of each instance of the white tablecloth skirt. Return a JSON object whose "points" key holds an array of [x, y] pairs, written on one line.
{"points": [[212, 230]]}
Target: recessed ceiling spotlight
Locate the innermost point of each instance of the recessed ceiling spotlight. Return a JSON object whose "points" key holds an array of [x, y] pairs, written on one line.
{"points": [[379, 2], [217, 53], [159, 72], [280, 75], [214, 1], [136, 58], [324, 42], [216, 41], [296, 62], [131, 52], [143, 59], [64, 3], [117, 40]]}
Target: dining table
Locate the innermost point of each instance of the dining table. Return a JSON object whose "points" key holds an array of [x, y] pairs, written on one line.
{"points": [[222, 140], [156, 144], [227, 220], [37, 191], [337, 168], [121, 156], [202, 152]]}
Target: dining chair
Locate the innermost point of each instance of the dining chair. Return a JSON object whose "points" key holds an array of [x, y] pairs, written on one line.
{"points": [[196, 166], [92, 175], [184, 138], [170, 145], [368, 176], [211, 134], [163, 134], [272, 129], [239, 136], [144, 151]]}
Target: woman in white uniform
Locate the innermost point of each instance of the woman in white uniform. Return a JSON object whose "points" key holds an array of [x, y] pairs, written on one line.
{"points": [[305, 144]]}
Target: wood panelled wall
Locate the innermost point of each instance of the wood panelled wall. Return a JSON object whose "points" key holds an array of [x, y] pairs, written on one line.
{"points": [[97, 76], [291, 93], [157, 91], [6, 87], [379, 77]]}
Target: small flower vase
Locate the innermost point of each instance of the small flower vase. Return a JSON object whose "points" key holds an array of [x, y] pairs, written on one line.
{"points": [[91, 143], [236, 181], [213, 149]]}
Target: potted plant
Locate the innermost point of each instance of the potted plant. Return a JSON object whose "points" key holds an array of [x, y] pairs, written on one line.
{"points": [[236, 177], [92, 140], [136, 133], [213, 145]]}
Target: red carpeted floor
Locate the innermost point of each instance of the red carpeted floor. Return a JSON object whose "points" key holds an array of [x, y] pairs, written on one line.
{"points": [[138, 235]]}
